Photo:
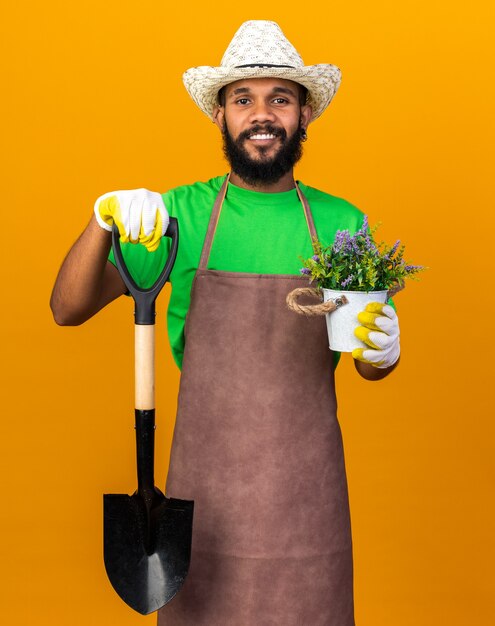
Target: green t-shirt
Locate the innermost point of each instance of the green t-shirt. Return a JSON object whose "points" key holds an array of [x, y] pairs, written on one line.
{"points": [[259, 233]]}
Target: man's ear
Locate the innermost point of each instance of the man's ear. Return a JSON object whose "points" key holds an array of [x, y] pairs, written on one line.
{"points": [[219, 116], [306, 113]]}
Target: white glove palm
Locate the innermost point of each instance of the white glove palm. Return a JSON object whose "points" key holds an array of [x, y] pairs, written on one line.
{"points": [[139, 214], [380, 331]]}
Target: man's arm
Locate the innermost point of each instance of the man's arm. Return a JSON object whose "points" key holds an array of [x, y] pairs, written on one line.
{"points": [[86, 281], [370, 372]]}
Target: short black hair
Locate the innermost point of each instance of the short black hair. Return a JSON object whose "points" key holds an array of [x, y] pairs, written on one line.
{"points": [[303, 95]]}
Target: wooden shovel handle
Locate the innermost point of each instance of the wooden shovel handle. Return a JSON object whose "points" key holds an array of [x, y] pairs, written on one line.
{"points": [[144, 353]]}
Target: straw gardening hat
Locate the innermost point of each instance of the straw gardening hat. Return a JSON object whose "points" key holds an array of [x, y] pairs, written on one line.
{"points": [[260, 49]]}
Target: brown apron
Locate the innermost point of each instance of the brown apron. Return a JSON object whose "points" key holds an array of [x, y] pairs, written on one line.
{"points": [[258, 447]]}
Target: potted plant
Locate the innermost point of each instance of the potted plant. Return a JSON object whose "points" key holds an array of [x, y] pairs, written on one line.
{"points": [[353, 271]]}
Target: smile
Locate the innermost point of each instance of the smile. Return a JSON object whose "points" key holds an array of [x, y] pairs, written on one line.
{"points": [[262, 137]]}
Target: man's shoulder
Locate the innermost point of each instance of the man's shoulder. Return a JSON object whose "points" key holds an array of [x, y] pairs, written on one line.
{"points": [[194, 191], [316, 197], [332, 213]]}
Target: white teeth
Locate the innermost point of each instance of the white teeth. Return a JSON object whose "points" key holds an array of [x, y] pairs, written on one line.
{"points": [[262, 137]]}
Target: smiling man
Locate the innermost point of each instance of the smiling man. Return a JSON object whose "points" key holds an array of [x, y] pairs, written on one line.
{"points": [[257, 444]]}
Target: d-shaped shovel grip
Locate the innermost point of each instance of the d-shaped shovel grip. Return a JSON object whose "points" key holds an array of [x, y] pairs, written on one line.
{"points": [[144, 299]]}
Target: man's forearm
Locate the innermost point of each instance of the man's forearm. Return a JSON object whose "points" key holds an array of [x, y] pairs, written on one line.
{"points": [[86, 282], [370, 372]]}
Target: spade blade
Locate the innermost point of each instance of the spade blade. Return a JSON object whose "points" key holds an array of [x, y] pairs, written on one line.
{"points": [[147, 557]]}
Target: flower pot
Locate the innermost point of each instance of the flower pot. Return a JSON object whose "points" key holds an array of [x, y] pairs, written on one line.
{"points": [[342, 322]]}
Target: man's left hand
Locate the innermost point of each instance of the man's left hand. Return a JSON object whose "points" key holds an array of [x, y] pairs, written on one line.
{"points": [[380, 331]]}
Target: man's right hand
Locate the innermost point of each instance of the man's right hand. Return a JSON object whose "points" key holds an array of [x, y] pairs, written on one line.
{"points": [[139, 214]]}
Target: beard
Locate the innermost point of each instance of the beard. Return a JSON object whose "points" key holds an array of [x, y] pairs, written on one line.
{"points": [[262, 170]]}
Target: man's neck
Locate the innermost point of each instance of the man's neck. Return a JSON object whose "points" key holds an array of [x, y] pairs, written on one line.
{"points": [[286, 183]]}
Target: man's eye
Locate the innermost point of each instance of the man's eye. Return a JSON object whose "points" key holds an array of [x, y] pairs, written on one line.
{"points": [[242, 101], [280, 100]]}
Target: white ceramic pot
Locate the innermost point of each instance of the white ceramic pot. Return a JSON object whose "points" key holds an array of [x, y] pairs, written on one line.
{"points": [[342, 322]]}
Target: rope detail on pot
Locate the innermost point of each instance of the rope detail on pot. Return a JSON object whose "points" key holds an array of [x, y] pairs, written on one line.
{"points": [[312, 309], [395, 289], [322, 308]]}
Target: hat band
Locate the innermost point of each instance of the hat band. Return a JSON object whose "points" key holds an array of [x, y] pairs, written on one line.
{"points": [[264, 65]]}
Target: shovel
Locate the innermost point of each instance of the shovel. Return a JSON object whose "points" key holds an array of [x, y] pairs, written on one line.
{"points": [[147, 537]]}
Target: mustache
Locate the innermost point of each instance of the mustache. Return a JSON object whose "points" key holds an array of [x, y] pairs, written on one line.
{"points": [[265, 130]]}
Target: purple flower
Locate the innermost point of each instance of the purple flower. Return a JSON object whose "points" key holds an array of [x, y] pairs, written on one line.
{"points": [[355, 247], [364, 228], [305, 270], [316, 258], [413, 268], [370, 244], [394, 249], [339, 241], [347, 281], [348, 244]]}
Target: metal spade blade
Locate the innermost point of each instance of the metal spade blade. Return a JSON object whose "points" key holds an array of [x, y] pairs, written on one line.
{"points": [[147, 563]]}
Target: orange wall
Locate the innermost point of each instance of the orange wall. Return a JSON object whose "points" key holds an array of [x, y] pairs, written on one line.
{"points": [[93, 101]]}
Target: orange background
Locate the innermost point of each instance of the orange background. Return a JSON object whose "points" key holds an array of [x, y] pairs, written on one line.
{"points": [[93, 101]]}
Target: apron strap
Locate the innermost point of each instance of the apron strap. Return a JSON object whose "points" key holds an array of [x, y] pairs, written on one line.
{"points": [[212, 226], [308, 215], [215, 216]]}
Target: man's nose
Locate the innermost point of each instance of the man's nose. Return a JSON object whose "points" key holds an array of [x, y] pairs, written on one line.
{"points": [[261, 112]]}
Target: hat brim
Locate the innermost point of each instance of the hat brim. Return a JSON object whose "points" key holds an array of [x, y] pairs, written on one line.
{"points": [[204, 82]]}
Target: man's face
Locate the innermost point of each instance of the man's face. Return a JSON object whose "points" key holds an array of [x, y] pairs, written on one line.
{"points": [[261, 121]]}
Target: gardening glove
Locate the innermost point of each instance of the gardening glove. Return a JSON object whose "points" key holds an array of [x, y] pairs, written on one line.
{"points": [[380, 331], [139, 214]]}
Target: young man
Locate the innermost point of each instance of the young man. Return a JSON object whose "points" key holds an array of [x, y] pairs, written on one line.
{"points": [[257, 444]]}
